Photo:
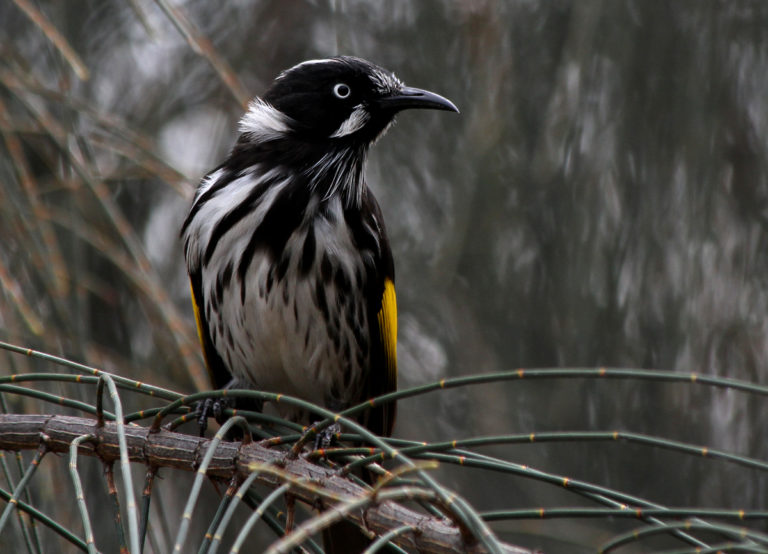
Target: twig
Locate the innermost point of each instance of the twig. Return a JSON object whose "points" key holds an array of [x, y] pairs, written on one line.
{"points": [[177, 451]]}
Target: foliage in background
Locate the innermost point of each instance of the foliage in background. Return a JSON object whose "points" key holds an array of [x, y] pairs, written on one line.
{"points": [[602, 201], [311, 497]]}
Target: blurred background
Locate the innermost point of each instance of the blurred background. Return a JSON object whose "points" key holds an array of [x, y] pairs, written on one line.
{"points": [[602, 200]]}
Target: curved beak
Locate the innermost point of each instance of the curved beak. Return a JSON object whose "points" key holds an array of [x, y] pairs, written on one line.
{"points": [[416, 98]]}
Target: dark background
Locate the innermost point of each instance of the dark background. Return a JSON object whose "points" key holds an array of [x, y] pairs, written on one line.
{"points": [[600, 201]]}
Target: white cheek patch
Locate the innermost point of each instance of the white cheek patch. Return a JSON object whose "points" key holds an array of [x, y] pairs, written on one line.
{"points": [[263, 121], [356, 121]]}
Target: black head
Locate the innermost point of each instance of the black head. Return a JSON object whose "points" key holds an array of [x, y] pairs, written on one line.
{"points": [[344, 99]]}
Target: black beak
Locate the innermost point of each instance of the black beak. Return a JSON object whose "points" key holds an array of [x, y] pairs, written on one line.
{"points": [[416, 98]]}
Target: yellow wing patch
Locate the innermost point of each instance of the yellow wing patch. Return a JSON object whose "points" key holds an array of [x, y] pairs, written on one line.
{"points": [[198, 324], [387, 317], [204, 342]]}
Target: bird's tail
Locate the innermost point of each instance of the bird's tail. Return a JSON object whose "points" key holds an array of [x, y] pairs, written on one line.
{"points": [[344, 537]]}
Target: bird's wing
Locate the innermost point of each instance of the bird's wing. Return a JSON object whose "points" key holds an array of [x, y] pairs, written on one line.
{"points": [[382, 315], [387, 330], [217, 371]]}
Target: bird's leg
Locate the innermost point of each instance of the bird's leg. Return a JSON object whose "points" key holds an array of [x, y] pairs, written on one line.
{"points": [[216, 406], [203, 409], [324, 438]]}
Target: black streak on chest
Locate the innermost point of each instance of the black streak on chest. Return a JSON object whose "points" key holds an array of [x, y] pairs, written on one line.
{"points": [[283, 218]]}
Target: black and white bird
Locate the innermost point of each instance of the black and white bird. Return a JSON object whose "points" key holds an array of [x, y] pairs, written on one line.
{"points": [[291, 271]]}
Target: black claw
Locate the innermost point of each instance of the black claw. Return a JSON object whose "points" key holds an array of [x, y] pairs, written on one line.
{"points": [[218, 410], [212, 407], [325, 437], [203, 410], [215, 407]]}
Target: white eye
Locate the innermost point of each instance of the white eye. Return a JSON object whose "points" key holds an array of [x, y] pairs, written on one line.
{"points": [[341, 90]]}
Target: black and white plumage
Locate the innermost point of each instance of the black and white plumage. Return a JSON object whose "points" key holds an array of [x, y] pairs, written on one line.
{"points": [[291, 271]]}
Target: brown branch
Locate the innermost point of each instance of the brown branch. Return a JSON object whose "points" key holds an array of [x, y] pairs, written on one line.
{"points": [[52, 33], [202, 46], [185, 452]]}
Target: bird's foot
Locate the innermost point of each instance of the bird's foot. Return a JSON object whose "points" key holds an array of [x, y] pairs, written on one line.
{"points": [[324, 438], [211, 407], [217, 406]]}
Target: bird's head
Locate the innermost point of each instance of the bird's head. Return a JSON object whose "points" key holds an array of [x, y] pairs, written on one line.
{"points": [[343, 99]]}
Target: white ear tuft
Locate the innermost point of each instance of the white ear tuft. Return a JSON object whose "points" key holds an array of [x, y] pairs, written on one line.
{"points": [[356, 120], [263, 121]]}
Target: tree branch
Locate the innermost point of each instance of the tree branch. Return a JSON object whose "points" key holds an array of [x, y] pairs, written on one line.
{"points": [[185, 452]]}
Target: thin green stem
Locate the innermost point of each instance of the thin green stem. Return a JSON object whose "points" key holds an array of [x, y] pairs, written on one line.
{"points": [[186, 519], [256, 515], [21, 486], [79, 494]]}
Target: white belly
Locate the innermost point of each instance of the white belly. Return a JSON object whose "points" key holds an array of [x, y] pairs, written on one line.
{"points": [[299, 335]]}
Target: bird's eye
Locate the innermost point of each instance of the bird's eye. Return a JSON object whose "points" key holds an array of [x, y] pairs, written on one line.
{"points": [[341, 91]]}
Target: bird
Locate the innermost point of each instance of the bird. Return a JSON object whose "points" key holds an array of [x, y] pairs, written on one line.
{"points": [[291, 271]]}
